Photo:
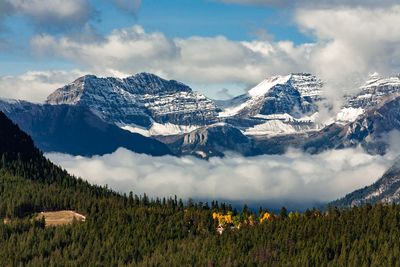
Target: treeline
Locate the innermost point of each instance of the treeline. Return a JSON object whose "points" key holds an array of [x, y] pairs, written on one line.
{"points": [[137, 231], [131, 230]]}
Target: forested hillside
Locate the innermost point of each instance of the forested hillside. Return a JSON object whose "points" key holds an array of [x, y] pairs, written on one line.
{"points": [[384, 190], [137, 231]]}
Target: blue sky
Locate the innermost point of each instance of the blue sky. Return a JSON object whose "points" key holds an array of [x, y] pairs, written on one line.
{"points": [[218, 47], [174, 18], [182, 18]]}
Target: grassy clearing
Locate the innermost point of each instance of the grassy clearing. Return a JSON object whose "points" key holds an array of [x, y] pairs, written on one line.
{"points": [[59, 218]]}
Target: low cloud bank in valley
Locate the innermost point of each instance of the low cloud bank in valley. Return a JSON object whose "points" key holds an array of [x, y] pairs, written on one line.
{"points": [[295, 178]]}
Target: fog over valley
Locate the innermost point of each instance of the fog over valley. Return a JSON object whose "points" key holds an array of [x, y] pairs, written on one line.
{"points": [[295, 179]]}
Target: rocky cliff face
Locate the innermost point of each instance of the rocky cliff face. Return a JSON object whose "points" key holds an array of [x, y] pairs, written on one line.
{"points": [[213, 140], [372, 128], [375, 91]]}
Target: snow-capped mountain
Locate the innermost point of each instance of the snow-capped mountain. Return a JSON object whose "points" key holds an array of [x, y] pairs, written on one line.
{"points": [[372, 130], [278, 105], [139, 102], [374, 92], [294, 94], [152, 106], [279, 112]]}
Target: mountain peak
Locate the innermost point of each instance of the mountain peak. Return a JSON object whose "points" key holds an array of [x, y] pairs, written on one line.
{"points": [[146, 75], [306, 83], [150, 83], [263, 87], [137, 100], [141, 83]]}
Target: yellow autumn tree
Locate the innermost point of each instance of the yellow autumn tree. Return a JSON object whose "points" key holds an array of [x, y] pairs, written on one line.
{"points": [[265, 217], [223, 219], [215, 215]]}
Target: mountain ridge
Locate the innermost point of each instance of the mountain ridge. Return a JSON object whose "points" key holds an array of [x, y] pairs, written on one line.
{"points": [[279, 112]]}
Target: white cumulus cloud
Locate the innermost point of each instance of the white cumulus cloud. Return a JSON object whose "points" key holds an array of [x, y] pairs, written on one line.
{"points": [[203, 60], [350, 43]]}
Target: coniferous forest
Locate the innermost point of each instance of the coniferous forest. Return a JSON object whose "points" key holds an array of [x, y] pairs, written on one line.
{"points": [[131, 230]]}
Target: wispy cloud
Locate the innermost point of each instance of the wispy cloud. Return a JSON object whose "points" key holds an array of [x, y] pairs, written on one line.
{"points": [[291, 178]]}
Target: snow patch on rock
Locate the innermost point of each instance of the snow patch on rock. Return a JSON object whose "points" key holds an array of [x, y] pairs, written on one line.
{"points": [[263, 87], [272, 127], [157, 129], [349, 114]]}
